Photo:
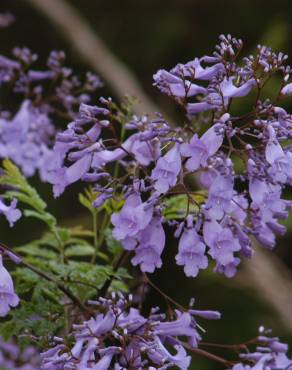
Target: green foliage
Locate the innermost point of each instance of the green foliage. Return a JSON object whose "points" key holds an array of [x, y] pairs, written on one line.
{"points": [[40, 317], [41, 314], [113, 246], [85, 280], [61, 260]]}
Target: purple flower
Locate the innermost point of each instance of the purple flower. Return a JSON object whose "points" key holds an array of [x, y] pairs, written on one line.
{"points": [[22, 139], [279, 160], [151, 245], [221, 242], [183, 326], [200, 149], [287, 89], [166, 170], [13, 357], [11, 213], [176, 83], [220, 196], [191, 253], [144, 151], [267, 206], [228, 270], [173, 85], [65, 176], [220, 97], [270, 355], [194, 68], [162, 355], [8, 298], [133, 218]]}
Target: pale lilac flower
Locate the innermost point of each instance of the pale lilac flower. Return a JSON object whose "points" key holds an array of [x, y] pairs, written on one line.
{"points": [[166, 170], [220, 197], [162, 355], [151, 245], [133, 218], [219, 99], [221, 242], [11, 213], [191, 253], [200, 149], [280, 161], [8, 298], [144, 151], [287, 89], [194, 68], [23, 137], [171, 84]]}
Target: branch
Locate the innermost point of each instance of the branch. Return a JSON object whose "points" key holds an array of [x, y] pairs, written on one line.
{"points": [[117, 265], [209, 355]]}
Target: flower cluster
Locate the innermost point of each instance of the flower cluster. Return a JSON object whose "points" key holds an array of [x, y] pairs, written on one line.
{"points": [[55, 94], [25, 138], [270, 354], [216, 180], [56, 88], [13, 358], [243, 162], [119, 336]]}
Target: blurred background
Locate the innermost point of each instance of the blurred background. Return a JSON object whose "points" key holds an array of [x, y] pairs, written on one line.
{"points": [[141, 37]]}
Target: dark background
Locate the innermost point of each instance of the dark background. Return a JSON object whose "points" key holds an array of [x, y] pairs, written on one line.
{"points": [[146, 36]]}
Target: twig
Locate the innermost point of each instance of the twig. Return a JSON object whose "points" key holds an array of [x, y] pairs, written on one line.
{"points": [[167, 297], [117, 265], [207, 354]]}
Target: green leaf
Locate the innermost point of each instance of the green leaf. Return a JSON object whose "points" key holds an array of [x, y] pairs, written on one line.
{"points": [[113, 245], [79, 231], [45, 217], [36, 250], [79, 250]]}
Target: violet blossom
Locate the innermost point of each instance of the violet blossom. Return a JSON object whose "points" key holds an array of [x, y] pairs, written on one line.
{"points": [[10, 211], [8, 298]]}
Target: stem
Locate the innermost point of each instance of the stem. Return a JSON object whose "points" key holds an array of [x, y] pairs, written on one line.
{"points": [[207, 354], [94, 226], [117, 265], [231, 346], [98, 241], [59, 241], [164, 295]]}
